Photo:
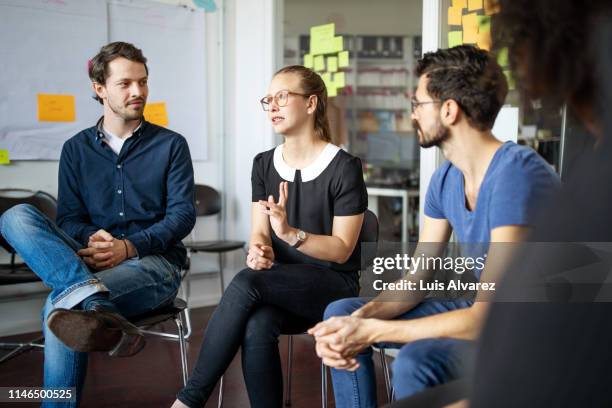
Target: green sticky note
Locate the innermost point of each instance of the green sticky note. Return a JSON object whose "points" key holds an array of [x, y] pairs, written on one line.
{"points": [[332, 64], [322, 39], [343, 59], [340, 79], [502, 57], [510, 79], [308, 61], [455, 38], [4, 157], [337, 44], [319, 63], [332, 91], [484, 24]]}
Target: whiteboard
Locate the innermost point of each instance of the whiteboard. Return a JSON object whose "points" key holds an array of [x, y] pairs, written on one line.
{"points": [[45, 46]]}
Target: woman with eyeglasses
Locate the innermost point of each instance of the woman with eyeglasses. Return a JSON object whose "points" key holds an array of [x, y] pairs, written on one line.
{"points": [[308, 203]]}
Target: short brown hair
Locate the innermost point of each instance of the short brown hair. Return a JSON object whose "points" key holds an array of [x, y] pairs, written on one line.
{"points": [[470, 77], [312, 84], [98, 65]]}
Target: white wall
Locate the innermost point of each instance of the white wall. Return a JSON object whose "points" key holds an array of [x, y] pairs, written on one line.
{"points": [[242, 54], [366, 17]]}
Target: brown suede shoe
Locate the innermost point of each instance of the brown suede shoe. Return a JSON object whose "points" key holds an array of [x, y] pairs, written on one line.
{"points": [[92, 330]]}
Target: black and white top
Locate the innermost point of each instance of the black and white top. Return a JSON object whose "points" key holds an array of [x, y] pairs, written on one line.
{"points": [[331, 186]]}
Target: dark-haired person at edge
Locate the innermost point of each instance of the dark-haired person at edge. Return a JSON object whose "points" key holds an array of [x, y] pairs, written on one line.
{"points": [[487, 192], [308, 201], [554, 352], [116, 249]]}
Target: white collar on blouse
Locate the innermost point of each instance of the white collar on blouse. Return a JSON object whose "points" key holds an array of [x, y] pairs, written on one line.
{"points": [[309, 172]]}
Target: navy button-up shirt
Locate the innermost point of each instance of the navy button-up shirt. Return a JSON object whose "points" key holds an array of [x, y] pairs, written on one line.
{"points": [[144, 194]]}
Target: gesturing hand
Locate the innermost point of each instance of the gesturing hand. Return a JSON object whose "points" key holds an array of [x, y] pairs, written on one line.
{"points": [[260, 257], [277, 212]]}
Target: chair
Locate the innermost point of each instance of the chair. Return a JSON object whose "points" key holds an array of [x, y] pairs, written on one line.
{"points": [[369, 233], [173, 312], [208, 203], [14, 273]]}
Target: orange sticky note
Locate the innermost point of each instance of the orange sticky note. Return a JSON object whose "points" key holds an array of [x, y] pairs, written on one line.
{"points": [[484, 40], [461, 4], [470, 28], [4, 157], [474, 5], [454, 15], [156, 113], [56, 108]]}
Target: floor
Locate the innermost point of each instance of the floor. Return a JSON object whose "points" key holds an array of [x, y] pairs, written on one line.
{"points": [[152, 378]]}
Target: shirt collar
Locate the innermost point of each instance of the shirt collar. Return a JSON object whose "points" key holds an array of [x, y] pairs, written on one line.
{"points": [[101, 135]]}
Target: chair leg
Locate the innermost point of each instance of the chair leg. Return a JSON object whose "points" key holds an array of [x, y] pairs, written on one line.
{"points": [[221, 277], [220, 403], [187, 314], [387, 377], [182, 347], [19, 348], [289, 369], [323, 386]]}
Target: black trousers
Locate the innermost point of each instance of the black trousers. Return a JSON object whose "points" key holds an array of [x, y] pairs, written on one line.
{"points": [[256, 308]]}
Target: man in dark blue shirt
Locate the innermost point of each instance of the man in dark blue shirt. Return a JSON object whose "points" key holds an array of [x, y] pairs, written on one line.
{"points": [[125, 202]]}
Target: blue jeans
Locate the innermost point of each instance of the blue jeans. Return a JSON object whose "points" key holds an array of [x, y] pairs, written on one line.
{"points": [[419, 364], [136, 286]]}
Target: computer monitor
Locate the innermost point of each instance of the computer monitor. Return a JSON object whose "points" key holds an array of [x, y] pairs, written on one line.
{"points": [[397, 150]]}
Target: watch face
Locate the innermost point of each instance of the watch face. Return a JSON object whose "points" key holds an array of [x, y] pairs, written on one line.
{"points": [[301, 235]]}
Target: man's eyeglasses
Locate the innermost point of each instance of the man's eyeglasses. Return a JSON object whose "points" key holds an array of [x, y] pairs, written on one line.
{"points": [[281, 98], [414, 103]]}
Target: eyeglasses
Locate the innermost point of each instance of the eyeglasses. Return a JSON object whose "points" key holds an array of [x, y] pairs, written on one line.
{"points": [[281, 99], [414, 103]]}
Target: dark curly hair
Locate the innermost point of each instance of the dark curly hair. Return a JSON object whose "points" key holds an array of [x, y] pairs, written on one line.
{"points": [[98, 66], [552, 46], [312, 84], [469, 76]]}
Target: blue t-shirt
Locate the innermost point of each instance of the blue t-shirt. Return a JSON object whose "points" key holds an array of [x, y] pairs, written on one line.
{"points": [[516, 183]]}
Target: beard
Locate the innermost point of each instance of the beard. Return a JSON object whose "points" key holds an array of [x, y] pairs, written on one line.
{"points": [[125, 112], [442, 133]]}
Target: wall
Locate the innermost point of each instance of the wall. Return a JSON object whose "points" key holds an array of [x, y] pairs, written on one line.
{"points": [[378, 17], [242, 54]]}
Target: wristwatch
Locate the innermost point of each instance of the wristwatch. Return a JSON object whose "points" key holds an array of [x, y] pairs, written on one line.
{"points": [[301, 237]]}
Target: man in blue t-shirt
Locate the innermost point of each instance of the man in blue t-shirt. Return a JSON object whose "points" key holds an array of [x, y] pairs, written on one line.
{"points": [[486, 192]]}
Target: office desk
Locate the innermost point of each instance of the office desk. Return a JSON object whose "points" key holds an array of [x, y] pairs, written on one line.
{"points": [[403, 193]]}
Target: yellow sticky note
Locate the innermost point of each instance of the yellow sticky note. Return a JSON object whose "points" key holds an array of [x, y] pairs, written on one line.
{"points": [[470, 28], [340, 79], [4, 157], [484, 40], [502, 57], [319, 63], [510, 79], [474, 5], [337, 44], [156, 113], [332, 64], [332, 91], [454, 16], [491, 7], [329, 84], [56, 108], [460, 3], [308, 61], [343, 59], [454, 38], [322, 31]]}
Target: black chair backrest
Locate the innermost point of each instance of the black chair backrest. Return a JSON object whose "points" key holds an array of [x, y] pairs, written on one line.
{"points": [[207, 200], [368, 234], [9, 197]]}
